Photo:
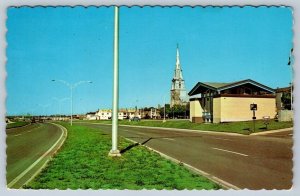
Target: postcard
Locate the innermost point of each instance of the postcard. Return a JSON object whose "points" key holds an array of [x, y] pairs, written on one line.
{"points": [[149, 98]]}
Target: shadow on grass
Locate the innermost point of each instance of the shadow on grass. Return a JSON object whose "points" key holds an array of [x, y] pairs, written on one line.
{"points": [[151, 138], [263, 128], [134, 145]]}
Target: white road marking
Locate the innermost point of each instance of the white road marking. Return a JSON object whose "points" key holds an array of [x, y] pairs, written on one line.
{"points": [[169, 139], [141, 133], [231, 152], [218, 138]]}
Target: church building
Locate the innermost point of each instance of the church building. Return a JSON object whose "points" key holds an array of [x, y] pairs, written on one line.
{"points": [[178, 93]]}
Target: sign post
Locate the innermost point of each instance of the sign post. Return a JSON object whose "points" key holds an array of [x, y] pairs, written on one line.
{"points": [[253, 107]]}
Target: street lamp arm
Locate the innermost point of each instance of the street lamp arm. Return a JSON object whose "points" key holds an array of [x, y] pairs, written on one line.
{"points": [[64, 82], [80, 82]]}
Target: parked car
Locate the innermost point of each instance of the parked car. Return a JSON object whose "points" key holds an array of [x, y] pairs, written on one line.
{"points": [[135, 118]]}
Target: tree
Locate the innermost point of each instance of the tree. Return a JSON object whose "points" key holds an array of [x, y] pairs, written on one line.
{"points": [[180, 111], [286, 100], [168, 110]]}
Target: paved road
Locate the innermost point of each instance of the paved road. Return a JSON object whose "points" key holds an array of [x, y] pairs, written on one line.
{"points": [[253, 162], [25, 145]]}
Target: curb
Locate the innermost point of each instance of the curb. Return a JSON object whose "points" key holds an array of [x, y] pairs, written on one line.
{"points": [[273, 131]]}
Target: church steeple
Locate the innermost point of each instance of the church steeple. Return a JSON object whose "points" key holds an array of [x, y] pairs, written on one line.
{"points": [[178, 71], [177, 59], [178, 92]]}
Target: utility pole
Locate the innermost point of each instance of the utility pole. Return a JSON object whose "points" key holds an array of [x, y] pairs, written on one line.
{"points": [[164, 109], [291, 63], [114, 151]]}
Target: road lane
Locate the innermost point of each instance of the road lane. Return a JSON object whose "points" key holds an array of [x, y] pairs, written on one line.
{"points": [[26, 145], [268, 163]]}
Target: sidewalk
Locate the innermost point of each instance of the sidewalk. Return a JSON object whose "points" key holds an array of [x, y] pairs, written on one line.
{"points": [[273, 131]]}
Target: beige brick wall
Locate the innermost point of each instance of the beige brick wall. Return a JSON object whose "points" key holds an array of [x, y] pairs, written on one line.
{"points": [[195, 109], [238, 108], [217, 110]]}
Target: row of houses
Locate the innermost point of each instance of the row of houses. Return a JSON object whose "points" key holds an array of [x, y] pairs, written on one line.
{"points": [[126, 113]]}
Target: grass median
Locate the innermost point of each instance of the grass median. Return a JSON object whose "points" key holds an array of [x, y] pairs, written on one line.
{"points": [[16, 124], [245, 127], [83, 163]]}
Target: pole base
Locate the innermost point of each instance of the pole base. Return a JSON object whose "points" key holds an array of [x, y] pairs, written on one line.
{"points": [[114, 153], [164, 121]]}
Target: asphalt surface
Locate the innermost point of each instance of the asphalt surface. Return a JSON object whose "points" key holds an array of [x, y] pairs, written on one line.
{"points": [[252, 162], [25, 145]]}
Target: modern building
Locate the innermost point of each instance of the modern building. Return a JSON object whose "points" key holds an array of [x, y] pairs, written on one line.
{"points": [[228, 102], [178, 93]]}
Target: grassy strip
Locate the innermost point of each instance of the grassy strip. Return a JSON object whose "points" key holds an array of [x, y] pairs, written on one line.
{"points": [[83, 163], [16, 124], [234, 127]]}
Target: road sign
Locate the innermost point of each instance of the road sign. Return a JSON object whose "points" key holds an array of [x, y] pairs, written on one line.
{"points": [[253, 106]]}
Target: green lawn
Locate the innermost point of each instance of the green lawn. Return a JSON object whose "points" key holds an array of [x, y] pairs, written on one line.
{"points": [[83, 163], [234, 127], [16, 124]]}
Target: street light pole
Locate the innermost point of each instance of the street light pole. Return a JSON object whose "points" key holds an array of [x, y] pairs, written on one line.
{"points": [[164, 109], [291, 63], [72, 86], [114, 151]]}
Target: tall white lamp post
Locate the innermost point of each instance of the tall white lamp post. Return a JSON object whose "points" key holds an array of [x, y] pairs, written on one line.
{"points": [[72, 86], [114, 150]]}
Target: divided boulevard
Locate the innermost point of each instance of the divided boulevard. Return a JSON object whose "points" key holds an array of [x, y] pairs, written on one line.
{"points": [[262, 161]]}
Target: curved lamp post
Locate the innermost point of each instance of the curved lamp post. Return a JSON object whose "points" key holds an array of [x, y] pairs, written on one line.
{"points": [[72, 86]]}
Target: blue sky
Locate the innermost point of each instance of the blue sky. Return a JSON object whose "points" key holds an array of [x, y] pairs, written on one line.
{"points": [[74, 44]]}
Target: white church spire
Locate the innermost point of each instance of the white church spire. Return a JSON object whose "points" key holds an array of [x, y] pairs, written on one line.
{"points": [[178, 71], [177, 59], [178, 92]]}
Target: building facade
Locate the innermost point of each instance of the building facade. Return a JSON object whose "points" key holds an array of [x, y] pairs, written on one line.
{"points": [[284, 104], [229, 102], [178, 93]]}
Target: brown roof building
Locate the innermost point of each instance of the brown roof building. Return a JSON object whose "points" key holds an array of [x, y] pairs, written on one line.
{"points": [[227, 102]]}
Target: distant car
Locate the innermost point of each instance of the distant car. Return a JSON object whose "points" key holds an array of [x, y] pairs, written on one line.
{"points": [[135, 118]]}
